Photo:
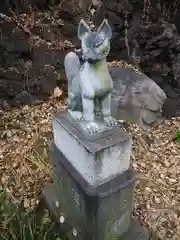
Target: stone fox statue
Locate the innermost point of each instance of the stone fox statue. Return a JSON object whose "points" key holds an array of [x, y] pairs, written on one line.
{"points": [[90, 84]]}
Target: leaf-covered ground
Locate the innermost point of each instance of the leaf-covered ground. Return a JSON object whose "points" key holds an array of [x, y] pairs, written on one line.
{"points": [[25, 136], [156, 158], [24, 169], [18, 224]]}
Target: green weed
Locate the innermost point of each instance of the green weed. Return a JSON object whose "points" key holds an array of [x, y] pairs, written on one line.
{"points": [[18, 224], [178, 136]]}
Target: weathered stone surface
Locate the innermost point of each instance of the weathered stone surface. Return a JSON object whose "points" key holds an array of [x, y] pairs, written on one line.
{"points": [[78, 206], [113, 199], [92, 155], [136, 97]]}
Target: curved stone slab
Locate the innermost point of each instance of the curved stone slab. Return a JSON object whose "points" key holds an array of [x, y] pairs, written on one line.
{"points": [[136, 97]]}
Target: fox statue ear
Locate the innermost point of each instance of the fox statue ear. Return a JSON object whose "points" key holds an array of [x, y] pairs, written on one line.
{"points": [[83, 29], [105, 29]]}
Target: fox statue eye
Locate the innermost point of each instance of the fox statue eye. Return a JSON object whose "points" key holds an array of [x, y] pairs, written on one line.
{"points": [[99, 43], [104, 47]]}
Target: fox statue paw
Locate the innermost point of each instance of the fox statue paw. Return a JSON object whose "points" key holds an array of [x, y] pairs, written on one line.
{"points": [[110, 121], [92, 127]]}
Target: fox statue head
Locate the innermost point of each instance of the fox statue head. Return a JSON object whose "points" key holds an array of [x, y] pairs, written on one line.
{"points": [[95, 45]]}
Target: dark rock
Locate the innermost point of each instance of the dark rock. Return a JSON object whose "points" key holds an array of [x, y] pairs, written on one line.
{"points": [[12, 88], [69, 29], [46, 86], [69, 10], [100, 14], [43, 80], [176, 69], [156, 52], [96, 3], [13, 38], [8, 58], [177, 90], [15, 45], [119, 7], [170, 92], [11, 73], [158, 79], [44, 54], [165, 69], [171, 107], [176, 20], [116, 20], [23, 98], [4, 105], [21, 46], [44, 31], [52, 32], [48, 80], [39, 55], [163, 43]]}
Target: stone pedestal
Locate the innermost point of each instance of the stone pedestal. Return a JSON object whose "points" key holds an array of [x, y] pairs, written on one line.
{"points": [[98, 157], [92, 192], [135, 230], [83, 211]]}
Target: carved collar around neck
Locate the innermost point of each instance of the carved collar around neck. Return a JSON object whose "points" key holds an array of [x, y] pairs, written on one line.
{"points": [[91, 61]]}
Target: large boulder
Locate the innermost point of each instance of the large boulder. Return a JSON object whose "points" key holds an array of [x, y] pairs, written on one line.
{"points": [[136, 97]]}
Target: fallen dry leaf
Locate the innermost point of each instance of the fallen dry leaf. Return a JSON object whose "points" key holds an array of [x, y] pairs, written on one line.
{"points": [[57, 92]]}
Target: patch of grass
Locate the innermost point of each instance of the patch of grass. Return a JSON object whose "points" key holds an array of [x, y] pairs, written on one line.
{"points": [[18, 224], [178, 136], [40, 154]]}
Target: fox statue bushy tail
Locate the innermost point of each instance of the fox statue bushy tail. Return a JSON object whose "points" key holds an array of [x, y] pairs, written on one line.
{"points": [[72, 67]]}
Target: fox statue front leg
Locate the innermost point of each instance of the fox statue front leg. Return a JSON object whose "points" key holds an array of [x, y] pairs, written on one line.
{"points": [[106, 111], [89, 115], [97, 107], [88, 103], [74, 108]]}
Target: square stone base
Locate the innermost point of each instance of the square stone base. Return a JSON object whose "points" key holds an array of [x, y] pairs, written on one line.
{"points": [[98, 157]]}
